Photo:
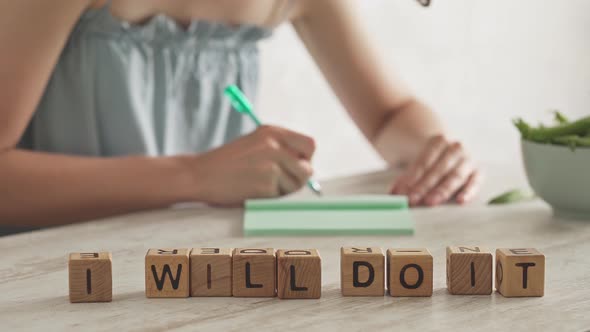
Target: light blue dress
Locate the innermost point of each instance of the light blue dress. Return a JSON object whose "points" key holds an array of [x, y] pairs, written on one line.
{"points": [[154, 89]]}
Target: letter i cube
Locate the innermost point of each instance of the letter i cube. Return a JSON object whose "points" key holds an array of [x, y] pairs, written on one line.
{"points": [[469, 270], [90, 277], [211, 272]]}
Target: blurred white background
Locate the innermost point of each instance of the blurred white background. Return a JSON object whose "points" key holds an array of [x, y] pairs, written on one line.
{"points": [[477, 63]]}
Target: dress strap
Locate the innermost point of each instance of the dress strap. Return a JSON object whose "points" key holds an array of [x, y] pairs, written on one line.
{"points": [[280, 12], [286, 9], [105, 5]]}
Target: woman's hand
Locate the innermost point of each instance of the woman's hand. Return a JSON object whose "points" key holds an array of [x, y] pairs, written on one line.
{"points": [[442, 172], [383, 108], [269, 162]]}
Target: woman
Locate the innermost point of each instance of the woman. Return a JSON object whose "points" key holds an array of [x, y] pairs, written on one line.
{"points": [[112, 107]]}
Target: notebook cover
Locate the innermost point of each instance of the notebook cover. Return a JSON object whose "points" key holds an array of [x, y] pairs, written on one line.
{"points": [[344, 215]]}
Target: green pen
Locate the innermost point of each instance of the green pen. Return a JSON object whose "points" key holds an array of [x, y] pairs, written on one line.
{"points": [[242, 105]]}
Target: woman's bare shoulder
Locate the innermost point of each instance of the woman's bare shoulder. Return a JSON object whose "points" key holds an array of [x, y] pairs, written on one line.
{"points": [[38, 31]]}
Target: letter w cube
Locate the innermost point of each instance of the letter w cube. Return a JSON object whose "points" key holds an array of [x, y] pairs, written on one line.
{"points": [[167, 273]]}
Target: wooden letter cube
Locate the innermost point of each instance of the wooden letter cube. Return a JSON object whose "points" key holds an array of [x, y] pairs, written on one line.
{"points": [[520, 272], [469, 270], [409, 272], [254, 272], [90, 277], [362, 271], [211, 271], [167, 273], [299, 274]]}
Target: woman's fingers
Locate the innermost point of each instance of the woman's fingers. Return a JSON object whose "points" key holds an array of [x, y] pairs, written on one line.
{"points": [[288, 168], [295, 171], [435, 147], [443, 171], [301, 145], [470, 189], [299, 169], [449, 185], [287, 184], [447, 162]]}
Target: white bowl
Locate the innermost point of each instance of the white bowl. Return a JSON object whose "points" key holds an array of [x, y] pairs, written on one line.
{"points": [[560, 176]]}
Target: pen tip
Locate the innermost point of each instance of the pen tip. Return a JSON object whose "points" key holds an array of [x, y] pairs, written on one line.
{"points": [[316, 188]]}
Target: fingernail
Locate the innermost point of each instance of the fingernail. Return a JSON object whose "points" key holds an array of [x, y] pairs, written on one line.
{"points": [[461, 199], [436, 199], [414, 199]]}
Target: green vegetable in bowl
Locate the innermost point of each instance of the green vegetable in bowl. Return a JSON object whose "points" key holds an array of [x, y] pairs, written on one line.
{"points": [[560, 118], [512, 196], [569, 133], [573, 141]]}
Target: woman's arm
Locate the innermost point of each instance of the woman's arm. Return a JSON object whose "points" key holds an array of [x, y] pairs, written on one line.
{"points": [[39, 189], [42, 189], [399, 126], [376, 101]]}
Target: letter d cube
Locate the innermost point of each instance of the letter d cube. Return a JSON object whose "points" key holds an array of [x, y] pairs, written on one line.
{"points": [[362, 271]]}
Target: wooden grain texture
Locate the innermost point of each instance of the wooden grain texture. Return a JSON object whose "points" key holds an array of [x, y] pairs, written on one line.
{"points": [[299, 274], [254, 272], [34, 290], [167, 272], [211, 271], [520, 272], [362, 271], [469, 270], [90, 277], [409, 272]]}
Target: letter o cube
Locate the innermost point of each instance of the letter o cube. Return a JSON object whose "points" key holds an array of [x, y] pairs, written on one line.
{"points": [[409, 272]]}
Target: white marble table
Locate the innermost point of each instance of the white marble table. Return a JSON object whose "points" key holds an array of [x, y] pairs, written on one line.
{"points": [[33, 273]]}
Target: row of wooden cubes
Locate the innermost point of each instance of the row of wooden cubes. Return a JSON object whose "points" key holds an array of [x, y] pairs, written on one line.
{"points": [[260, 272], [520, 272], [241, 272]]}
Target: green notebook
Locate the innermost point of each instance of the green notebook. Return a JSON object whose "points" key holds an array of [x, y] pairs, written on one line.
{"points": [[342, 215]]}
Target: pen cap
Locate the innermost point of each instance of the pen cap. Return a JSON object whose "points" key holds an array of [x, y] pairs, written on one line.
{"points": [[238, 100]]}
